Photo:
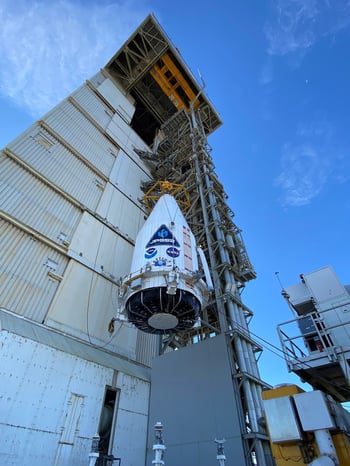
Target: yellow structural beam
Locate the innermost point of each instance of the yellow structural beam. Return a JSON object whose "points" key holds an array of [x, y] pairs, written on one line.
{"points": [[173, 83], [178, 191]]}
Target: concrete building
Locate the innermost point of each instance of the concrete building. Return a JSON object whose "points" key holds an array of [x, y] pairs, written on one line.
{"points": [[72, 203]]}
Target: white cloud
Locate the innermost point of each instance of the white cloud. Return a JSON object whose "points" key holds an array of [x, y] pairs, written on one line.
{"points": [[296, 25], [266, 74], [47, 49], [303, 175], [311, 163]]}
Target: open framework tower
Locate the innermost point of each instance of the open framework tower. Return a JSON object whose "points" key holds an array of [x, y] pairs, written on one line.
{"points": [[71, 206]]}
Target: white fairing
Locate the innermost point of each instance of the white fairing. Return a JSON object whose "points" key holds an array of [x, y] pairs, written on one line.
{"points": [[164, 293], [165, 240]]}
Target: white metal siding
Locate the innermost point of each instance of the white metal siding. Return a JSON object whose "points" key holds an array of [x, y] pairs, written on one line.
{"points": [[93, 105], [97, 79], [128, 176], [117, 99], [80, 133], [47, 396], [84, 305], [121, 212], [28, 199], [147, 348], [45, 154], [132, 420], [125, 136], [102, 247], [25, 284]]}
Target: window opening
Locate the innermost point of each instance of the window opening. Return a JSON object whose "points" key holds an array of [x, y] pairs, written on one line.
{"points": [[106, 427]]}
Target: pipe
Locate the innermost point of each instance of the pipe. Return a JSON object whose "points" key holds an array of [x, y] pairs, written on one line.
{"points": [[326, 446], [206, 269]]}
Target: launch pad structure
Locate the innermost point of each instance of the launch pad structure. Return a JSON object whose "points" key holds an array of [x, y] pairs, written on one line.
{"points": [[93, 168], [183, 119]]}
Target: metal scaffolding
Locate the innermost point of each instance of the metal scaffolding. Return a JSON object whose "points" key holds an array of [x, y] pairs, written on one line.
{"points": [[183, 157], [174, 117]]}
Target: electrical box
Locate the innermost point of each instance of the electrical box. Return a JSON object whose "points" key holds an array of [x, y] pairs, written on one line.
{"points": [[325, 286], [313, 411], [281, 420]]}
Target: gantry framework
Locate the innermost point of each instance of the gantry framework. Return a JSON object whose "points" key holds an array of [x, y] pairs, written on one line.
{"points": [[175, 117]]}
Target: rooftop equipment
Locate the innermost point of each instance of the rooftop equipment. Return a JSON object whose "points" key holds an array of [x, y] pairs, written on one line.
{"points": [[316, 343]]}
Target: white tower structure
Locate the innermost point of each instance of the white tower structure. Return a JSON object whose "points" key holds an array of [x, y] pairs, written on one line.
{"points": [[72, 205], [316, 341]]}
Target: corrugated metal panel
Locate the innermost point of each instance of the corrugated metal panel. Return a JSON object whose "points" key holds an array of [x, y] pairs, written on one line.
{"points": [[147, 348], [121, 212], [102, 247], [93, 105], [97, 79], [95, 302], [80, 133], [117, 99], [25, 284], [45, 154], [39, 386], [125, 136], [28, 199], [136, 141], [128, 176]]}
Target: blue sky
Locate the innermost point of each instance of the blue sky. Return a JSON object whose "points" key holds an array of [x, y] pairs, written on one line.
{"points": [[277, 72]]}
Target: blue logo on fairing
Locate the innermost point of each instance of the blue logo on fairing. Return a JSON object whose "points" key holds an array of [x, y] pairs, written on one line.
{"points": [[162, 237], [173, 252], [160, 262], [150, 252]]}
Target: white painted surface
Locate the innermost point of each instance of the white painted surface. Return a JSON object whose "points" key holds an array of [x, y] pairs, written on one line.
{"points": [[59, 165], [125, 136], [147, 347], [165, 238], [50, 400], [33, 202], [101, 246], [75, 128], [50, 405], [281, 420], [93, 105], [325, 286], [84, 305], [117, 99], [132, 420], [26, 286], [117, 208], [313, 411], [127, 175], [39, 385]]}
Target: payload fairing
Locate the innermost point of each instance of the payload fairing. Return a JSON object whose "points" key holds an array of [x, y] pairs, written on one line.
{"points": [[164, 293]]}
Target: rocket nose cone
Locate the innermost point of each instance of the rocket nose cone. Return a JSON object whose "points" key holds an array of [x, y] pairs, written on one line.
{"points": [[168, 210]]}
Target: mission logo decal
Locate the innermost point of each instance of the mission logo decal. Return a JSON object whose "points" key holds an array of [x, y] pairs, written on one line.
{"points": [[162, 237], [150, 252], [173, 252], [160, 261]]}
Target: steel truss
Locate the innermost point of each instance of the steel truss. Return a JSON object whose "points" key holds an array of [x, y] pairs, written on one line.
{"points": [[182, 156]]}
